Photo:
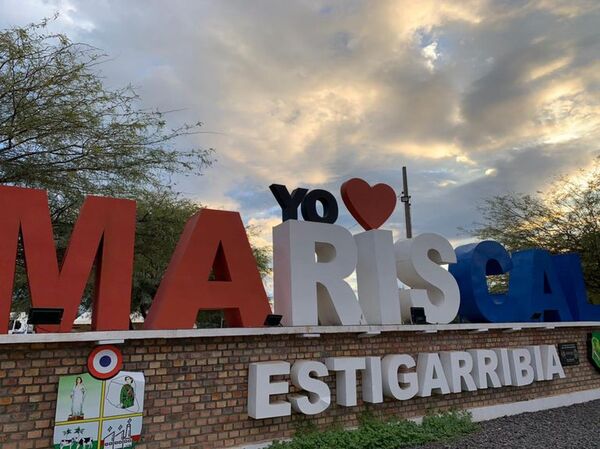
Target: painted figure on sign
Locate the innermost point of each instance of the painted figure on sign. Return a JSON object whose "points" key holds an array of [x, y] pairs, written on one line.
{"points": [[85, 443], [127, 397], [77, 398], [595, 348]]}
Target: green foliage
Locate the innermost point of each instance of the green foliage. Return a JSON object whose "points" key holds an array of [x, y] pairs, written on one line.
{"points": [[62, 130], [564, 218], [161, 216], [374, 433]]}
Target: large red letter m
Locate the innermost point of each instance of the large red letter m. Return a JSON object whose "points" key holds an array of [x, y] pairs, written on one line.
{"points": [[104, 233]]}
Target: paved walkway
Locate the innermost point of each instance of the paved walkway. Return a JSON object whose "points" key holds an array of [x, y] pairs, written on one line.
{"points": [[574, 427]]}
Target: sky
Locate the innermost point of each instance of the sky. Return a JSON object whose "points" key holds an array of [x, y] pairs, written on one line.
{"points": [[476, 98]]}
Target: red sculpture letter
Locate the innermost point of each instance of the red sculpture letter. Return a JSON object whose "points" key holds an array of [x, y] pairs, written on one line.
{"points": [[213, 242], [105, 228]]}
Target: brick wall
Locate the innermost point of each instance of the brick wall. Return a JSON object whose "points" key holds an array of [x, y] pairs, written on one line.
{"points": [[196, 388]]}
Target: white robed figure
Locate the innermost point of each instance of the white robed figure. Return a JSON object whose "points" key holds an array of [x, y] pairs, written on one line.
{"points": [[77, 397]]}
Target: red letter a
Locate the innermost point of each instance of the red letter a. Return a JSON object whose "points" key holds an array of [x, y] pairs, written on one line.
{"points": [[214, 241], [105, 223]]}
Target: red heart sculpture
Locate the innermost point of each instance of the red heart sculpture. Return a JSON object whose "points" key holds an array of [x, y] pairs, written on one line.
{"points": [[370, 206]]}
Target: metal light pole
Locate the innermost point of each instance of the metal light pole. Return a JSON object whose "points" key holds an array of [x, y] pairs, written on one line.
{"points": [[405, 198]]}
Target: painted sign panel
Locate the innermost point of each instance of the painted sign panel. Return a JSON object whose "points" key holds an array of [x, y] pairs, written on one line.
{"points": [[97, 414], [594, 349], [568, 353], [76, 435]]}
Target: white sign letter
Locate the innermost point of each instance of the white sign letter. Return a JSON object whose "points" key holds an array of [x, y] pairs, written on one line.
{"points": [[521, 370], [345, 378], [260, 389], [392, 379], [503, 366], [376, 277], [310, 289], [536, 361], [418, 263], [551, 362], [371, 381], [431, 375], [319, 396]]}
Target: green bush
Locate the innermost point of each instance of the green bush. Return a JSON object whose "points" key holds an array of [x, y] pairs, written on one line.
{"points": [[393, 433]]}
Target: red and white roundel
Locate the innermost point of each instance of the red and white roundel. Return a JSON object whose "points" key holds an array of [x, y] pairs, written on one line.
{"points": [[105, 362]]}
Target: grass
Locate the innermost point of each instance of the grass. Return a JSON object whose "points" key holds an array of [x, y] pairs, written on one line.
{"points": [[374, 433]]}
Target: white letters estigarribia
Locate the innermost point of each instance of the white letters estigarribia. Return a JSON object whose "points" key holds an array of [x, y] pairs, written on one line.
{"points": [[395, 376]]}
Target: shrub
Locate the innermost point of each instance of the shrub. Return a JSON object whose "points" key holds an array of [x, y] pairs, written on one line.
{"points": [[393, 433]]}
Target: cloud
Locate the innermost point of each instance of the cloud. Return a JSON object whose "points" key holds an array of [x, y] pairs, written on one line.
{"points": [[521, 171], [476, 97]]}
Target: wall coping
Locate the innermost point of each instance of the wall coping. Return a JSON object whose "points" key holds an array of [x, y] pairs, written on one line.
{"points": [[116, 337]]}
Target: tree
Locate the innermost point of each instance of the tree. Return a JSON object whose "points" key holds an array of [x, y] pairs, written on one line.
{"points": [[161, 216], [62, 130], [564, 218]]}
